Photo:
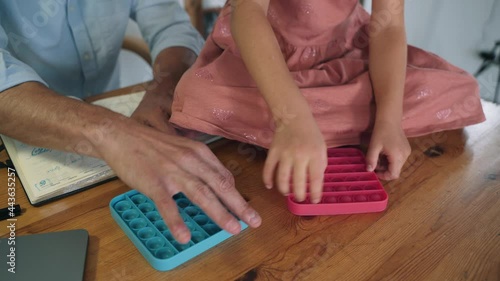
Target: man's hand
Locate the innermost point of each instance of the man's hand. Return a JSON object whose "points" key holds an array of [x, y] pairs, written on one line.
{"points": [[168, 164], [161, 165], [154, 111], [165, 164]]}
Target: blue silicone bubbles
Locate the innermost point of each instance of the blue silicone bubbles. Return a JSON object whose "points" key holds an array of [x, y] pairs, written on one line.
{"points": [[138, 217]]}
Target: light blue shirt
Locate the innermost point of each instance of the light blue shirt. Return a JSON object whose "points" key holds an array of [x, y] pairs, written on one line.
{"points": [[72, 46]]}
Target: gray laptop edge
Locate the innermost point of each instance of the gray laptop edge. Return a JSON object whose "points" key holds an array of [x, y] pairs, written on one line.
{"points": [[50, 256]]}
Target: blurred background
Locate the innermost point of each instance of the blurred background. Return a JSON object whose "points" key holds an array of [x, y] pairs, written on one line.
{"points": [[458, 31], [463, 32]]}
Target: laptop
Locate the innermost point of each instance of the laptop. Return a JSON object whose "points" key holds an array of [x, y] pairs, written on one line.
{"points": [[50, 256]]}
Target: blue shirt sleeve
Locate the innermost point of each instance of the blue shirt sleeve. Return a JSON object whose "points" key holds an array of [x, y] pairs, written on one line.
{"points": [[163, 24], [13, 71]]}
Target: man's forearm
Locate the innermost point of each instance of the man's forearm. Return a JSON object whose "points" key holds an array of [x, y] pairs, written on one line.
{"points": [[34, 114]]}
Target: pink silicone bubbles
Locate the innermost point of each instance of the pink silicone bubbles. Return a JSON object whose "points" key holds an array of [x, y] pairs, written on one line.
{"points": [[348, 188]]}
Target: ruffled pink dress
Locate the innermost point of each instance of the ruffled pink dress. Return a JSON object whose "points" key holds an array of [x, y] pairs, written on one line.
{"points": [[325, 45]]}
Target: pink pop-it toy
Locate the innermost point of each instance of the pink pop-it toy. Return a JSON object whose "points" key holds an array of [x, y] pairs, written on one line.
{"points": [[348, 188]]}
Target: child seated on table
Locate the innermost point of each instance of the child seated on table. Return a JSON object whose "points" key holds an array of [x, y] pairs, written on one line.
{"points": [[299, 76]]}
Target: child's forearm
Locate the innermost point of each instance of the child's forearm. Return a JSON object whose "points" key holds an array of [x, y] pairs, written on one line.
{"points": [[388, 57], [261, 53]]}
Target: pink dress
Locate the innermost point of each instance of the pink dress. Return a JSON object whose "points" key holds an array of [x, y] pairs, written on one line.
{"points": [[325, 45]]}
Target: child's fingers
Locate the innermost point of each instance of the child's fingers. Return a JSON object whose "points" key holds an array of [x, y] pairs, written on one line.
{"points": [[395, 164], [283, 175], [270, 168], [316, 175], [386, 176], [372, 156], [299, 180]]}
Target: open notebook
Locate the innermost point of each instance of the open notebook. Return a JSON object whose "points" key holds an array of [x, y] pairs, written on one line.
{"points": [[48, 174]]}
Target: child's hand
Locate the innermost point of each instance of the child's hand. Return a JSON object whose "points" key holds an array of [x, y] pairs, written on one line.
{"points": [[388, 140], [298, 147]]}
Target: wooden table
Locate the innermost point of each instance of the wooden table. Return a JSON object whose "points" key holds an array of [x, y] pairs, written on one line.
{"points": [[442, 222]]}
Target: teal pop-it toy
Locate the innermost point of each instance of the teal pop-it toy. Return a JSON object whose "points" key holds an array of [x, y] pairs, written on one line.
{"points": [[136, 214]]}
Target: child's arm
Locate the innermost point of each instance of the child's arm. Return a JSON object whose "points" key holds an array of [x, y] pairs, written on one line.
{"points": [[298, 146], [388, 56]]}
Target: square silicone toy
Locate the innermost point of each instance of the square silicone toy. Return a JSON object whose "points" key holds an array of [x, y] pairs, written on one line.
{"points": [[136, 214], [348, 188]]}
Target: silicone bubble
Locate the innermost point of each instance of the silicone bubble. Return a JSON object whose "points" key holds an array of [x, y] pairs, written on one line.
{"points": [[192, 211], [342, 188], [180, 247], [346, 199], [130, 215], [164, 253], [211, 228], [138, 223], [361, 198], [201, 219], [146, 207], [123, 206], [352, 178], [160, 225], [146, 233], [155, 243], [330, 199], [138, 199], [153, 216], [197, 236], [182, 203]]}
